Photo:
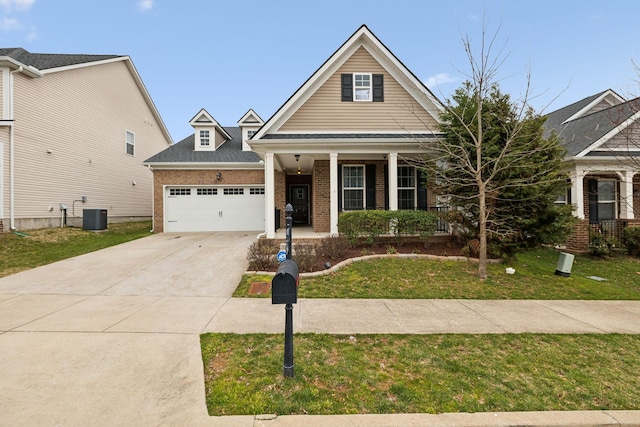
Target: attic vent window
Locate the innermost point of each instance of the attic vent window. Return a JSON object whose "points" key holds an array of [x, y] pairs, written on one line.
{"points": [[204, 138], [362, 87]]}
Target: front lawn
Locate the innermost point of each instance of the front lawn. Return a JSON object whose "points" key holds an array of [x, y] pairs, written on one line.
{"points": [[385, 374], [33, 248], [534, 278]]}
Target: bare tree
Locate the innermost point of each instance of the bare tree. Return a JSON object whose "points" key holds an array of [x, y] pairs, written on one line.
{"points": [[492, 155]]}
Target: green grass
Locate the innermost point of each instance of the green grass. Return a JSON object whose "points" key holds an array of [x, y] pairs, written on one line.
{"points": [[421, 373], [40, 247], [534, 279]]}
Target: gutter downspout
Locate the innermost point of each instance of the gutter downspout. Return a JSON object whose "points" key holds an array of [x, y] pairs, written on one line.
{"points": [[12, 163]]}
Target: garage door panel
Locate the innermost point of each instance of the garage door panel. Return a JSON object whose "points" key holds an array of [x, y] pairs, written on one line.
{"points": [[214, 209]]}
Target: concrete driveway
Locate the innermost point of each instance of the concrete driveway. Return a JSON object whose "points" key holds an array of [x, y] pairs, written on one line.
{"points": [[112, 337]]}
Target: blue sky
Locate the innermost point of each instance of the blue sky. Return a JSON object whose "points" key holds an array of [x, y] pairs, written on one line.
{"points": [[229, 56]]}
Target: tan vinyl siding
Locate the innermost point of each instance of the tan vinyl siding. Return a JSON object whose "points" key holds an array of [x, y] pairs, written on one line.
{"points": [[80, 116], [324, 110], [628, 139], [219, 138]]}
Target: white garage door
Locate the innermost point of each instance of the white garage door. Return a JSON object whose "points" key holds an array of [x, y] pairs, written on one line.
{"points": [[233, 208]]}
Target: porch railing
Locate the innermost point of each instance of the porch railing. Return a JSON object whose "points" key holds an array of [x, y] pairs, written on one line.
{"points": [[609, 232], [442, 225]]}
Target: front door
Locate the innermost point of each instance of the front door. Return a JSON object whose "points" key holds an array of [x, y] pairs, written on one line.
{"points": [[299, 199]]}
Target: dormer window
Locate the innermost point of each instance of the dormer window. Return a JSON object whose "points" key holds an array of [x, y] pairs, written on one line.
{"points": [[204, 138], [250, 133], [359, 87]]}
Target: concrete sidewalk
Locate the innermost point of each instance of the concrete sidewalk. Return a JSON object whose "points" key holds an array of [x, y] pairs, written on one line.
{"points": [[111, 338]]}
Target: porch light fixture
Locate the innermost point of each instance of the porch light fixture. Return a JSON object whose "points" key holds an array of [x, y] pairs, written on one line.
{"points": [[297, 156], [218, 176]]}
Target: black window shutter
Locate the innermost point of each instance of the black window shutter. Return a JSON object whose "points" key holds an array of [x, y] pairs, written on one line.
{"points": [[422, 190], [347, 87], [592, 188], [371, 186], [378, 88], [340, 188]]}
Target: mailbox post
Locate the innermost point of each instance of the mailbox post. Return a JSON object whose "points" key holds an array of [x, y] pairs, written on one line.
{"points": [[284, 290], [289, 225]]}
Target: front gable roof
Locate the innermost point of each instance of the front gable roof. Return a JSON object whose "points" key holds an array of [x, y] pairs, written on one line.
{"points": [[583, 130], [362, 38]]}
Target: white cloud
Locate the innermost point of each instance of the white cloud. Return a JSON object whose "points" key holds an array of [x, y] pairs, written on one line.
{"points": [[439, 79], [143, 4], [10, 24], [9, 5]]}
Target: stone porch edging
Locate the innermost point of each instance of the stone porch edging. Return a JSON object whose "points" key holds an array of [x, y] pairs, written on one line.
{"points": [[350, 261]]}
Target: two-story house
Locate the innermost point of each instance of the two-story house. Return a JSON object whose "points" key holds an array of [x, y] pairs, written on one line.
{"points": [[74, 131]]}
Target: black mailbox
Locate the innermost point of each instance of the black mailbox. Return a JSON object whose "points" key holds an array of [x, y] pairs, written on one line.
{"points": [[284, 286]]}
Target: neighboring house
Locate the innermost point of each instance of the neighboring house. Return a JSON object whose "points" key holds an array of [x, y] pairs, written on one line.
{"points": [[339, 143], [602, 136], [74, 126]]}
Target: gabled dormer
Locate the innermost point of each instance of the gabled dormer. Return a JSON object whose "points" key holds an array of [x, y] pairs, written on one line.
{"points": [[249, 124], [209, 135]]}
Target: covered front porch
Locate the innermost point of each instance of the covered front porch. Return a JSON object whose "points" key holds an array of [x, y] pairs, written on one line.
{"points": [[320, 186]]}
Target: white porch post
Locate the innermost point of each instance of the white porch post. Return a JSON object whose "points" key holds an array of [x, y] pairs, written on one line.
{"points": [[393, 181], [626, 194], [333, 193], [577, 192], [270, 199]]}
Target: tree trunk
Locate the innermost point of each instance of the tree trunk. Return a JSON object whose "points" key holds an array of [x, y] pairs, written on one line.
{"points": [[482, 231]]}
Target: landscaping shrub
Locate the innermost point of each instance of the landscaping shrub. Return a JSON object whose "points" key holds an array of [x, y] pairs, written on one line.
{"points": [[363, 224], [262, 255], [334, 247], [631, 240], [371, 224], [600, 245], [306, 255]]}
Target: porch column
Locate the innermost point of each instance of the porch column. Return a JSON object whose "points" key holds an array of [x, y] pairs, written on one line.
{"points": [[393, 181], [626, 195], [333, 193], [270, 196], [577, 192]]}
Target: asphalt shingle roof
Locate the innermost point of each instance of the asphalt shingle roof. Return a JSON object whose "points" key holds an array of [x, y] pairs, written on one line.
{"points": [[229, 152], [43, 61], [579, 134]]}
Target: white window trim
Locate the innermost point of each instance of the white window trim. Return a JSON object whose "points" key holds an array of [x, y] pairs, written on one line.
{"points": [[363, 188], [355, 98], [414, 188], [613, 201], [127, 143], [203, 138]]}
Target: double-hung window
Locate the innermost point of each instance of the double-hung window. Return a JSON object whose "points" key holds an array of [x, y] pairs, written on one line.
{"points": [[606, 199], [130, 142], [406, 187], [353, 187], [204, 138], [362, 87]]}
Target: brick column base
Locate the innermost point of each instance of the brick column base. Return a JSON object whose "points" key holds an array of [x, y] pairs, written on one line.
{"points": [[579, 240]]}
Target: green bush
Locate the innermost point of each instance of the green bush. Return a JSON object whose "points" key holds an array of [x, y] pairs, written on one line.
{"points": [[413, 223], [370, 225], [600, 245], [631, 240]]}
